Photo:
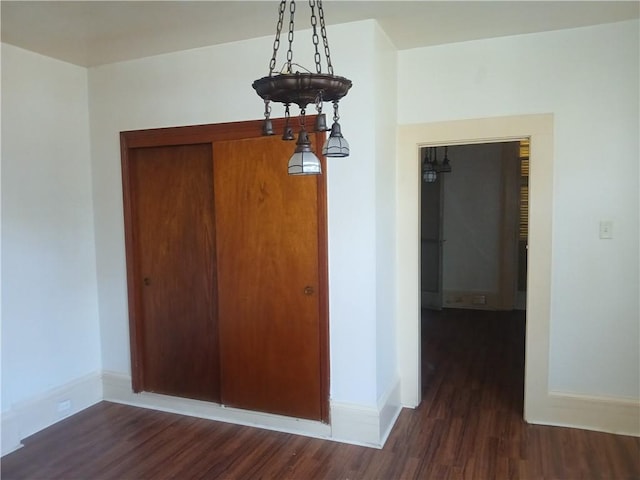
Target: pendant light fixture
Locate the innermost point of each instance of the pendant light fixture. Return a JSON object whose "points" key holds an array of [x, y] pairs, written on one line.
{"points": [[429, 173], [430, 165], [304, 161], [289, 86], [445, 166]]}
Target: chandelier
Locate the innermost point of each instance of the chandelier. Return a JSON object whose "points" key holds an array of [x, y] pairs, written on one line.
{"points": [[289, 86], [430, 165]]}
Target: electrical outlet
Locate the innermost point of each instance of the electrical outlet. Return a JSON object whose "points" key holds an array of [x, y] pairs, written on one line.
{"points": [[64, 406], [479, 300], [606, 229]]}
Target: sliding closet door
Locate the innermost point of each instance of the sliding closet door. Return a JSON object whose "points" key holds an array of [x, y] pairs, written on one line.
{"points": [[170, 197], [269, 283], [226, 268]]}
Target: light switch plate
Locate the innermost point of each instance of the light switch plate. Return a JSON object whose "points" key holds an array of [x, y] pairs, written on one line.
{"points": [[606, 229]]}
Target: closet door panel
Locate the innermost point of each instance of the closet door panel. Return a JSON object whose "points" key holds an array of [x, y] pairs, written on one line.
{"points": [[268, 280], [171, 196]]}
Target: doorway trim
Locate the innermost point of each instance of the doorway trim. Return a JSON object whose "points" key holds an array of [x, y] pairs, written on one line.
{"points": [[410, 138]]}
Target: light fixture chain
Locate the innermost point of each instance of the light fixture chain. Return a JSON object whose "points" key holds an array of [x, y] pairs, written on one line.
{"points": [[267, 109], [314, 23], [288, 86], [301, 117], [292, 10], [276, 42], [323, 32]]}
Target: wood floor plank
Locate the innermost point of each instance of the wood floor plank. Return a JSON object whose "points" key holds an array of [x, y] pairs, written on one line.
{"points": [[469, 426]]}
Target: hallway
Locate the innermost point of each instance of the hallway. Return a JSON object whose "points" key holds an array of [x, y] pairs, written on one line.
{"points": [[473, 359]]}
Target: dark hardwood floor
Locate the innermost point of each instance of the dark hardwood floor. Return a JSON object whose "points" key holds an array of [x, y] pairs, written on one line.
{"points": [[469, 426]]}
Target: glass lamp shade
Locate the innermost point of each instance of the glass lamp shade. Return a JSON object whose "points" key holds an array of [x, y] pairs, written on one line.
{"points": [[335, 145], [304, 161], [429, 175]]}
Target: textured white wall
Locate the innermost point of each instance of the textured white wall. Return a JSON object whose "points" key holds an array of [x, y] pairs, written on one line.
{"points": [[385, 82], [471, 223], [588, 78], [50, 333]]}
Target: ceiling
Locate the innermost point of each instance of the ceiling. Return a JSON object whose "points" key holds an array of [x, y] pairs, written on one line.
{"points": [[91, 33]]}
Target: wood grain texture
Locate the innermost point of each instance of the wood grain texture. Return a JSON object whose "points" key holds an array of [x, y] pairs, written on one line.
{"points": [[469, 426], [268, 280], [174, 269], [300, 368]]}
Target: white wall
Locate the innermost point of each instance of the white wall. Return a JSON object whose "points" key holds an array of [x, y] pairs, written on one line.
{"points": [[352, 224], [588, 78], [211, 85], [385, 105], [471, 219], [50, 332]]}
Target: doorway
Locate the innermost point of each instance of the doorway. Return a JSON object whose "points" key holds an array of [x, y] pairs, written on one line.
{"points": [[473, 225], [410, 138], [474, 206]]}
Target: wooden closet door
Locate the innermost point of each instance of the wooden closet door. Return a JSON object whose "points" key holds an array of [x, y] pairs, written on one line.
{"points": [[171, 200], [268, 280]]}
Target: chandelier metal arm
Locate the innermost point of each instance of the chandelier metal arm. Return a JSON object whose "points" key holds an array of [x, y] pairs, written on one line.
{"points": [[303, 88]]}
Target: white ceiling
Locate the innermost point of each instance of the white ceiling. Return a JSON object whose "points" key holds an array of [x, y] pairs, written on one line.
{"points": [[90, 33]]}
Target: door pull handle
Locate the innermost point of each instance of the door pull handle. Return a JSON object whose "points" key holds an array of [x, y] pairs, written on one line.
{"points": [[308, 290]]}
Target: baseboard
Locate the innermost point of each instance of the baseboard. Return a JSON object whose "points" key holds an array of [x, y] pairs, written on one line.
{"points": [[349, 423], [471, 300], [11, 437], [389, 407], [117, 389], [620, 416], [30, 416], [355, 424], [366, 426]]}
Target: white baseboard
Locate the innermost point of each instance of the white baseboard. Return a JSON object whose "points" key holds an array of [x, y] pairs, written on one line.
{"points": [[389, 407], [349, 423], [471, 300], [117, 388], [602, 414], [355, 424], [28, 417], [367, 426], [11, 437]]}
